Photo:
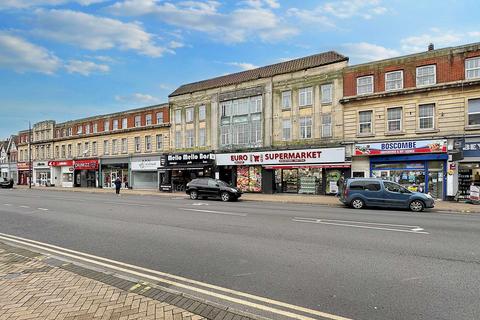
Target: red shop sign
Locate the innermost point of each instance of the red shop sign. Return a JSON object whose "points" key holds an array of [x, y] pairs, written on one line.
{"points": [[90, 164], [23, 166], [66, 163]]}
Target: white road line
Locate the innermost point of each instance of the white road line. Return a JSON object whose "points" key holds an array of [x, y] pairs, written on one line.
{"points": [[358, 222], [24, 206], [216, 212], [7, 204], [43, 209], [416, 230], [78, 255]]}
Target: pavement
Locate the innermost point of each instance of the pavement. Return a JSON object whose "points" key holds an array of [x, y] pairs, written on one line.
{"points": [[440, 206], [34, 286], [274, 260]]}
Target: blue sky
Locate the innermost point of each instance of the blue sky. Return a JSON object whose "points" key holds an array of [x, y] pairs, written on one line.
{"points": [[66, 59]]}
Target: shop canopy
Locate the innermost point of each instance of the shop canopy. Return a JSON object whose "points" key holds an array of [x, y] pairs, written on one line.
{"points": [[307, 166]]}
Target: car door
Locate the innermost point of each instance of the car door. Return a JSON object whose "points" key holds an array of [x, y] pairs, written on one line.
{"points": [[201, 185], [213, 188], [396, 195], [373, 191]]}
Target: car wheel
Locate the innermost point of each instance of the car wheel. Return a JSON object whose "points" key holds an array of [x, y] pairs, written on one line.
{"points": [[193, 195], [417, 206], [357, 203], [225, 196]]}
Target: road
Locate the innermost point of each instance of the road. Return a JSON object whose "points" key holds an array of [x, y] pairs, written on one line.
{"points": [[366, 264]]}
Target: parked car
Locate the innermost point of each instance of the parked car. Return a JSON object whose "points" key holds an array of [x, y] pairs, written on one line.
{"points": [[372, 192], [212, 188], [6, 184]]}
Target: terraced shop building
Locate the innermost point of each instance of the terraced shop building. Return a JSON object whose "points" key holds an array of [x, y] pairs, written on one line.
{"points": [[276, 128]]}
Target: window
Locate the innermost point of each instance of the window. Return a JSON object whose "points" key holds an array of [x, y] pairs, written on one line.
{"points": [[326, 125], [178, 139], [426, 116], [86, 151], [138, 121], [472, 68], [69, 131], [426, 75], [114, 146], [394, 119], [394, 80], [305, 96], [48, 152], [106, 147], [124, 123], [202, 137], [79, 149], [305, 127], [327, 93], [94, 148], [87, 128], [137, 144], [148, 143], [148, 120], [159, 117], [393, 187], [57, 152], [286, 130], [115, 124], [372, 186], [159, 142], [106, 125], [69, 150], [178, 116], [286, 99], [365, 122], [124, 145], [365, 85], [95, 128], [474, 112], [190, 141], [79, 129], [63, 152], [189, 115], [202, 114]]}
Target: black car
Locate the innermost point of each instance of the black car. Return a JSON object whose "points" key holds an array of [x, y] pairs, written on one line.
{"points": [[212, 188], [6, 184]]}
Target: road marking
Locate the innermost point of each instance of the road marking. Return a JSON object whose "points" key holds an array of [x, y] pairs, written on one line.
{"points": [[24, 207], [199, 204], [43, 209], [7, 204], [109, 264], [216, 212], [362, 225]]}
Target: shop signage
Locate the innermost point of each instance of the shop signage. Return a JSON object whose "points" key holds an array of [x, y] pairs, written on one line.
{"points": [[190, 158], [401, 147], [40, 164], [145, 165], [307, 156], [66, 163], [89, 164], [23, 166]]}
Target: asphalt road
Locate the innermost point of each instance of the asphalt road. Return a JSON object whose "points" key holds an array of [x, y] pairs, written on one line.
{"points": [[366, 264]]}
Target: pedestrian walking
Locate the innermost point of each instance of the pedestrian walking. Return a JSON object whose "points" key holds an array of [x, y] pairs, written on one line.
{"points": [[118, 185]]}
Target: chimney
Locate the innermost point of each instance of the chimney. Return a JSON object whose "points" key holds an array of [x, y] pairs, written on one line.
{"points": [[430, 47]]}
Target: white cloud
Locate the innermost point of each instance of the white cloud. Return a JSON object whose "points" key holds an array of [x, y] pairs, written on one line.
{"points": [[137, 98], [243, 65], [85, 67], [437, 37], [364, 51], [23, 4], [254, 19], [316, 16], [95, 33], [475, 34], [22, 56]]}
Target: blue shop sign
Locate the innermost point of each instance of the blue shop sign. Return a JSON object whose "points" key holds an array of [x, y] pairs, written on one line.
{"points": [[471, 149]]}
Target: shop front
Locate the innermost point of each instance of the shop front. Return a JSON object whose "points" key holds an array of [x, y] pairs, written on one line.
{"points": [[86, 173], [23, 173], [41, 173], [4, 171], [62, 173], [418, 165], [113, 168], [468, 167], [305, 171], [182, 168], [145, 172]]}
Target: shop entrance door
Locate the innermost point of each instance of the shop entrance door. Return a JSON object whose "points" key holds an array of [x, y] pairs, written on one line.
{"points": [[43, 178], [113, 177], [435, 179], [290, 181]]}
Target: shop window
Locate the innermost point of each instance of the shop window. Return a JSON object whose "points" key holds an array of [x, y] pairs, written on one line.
{"points": [[249, 178], [159, 117], [394, 80], [148, 120], [365, 122], [137, 144], [124, 123], [159, 142], [305, 96], [365, 85], [202, 115], [327, 93], [286, 99], [473, 112], [472, 68], [189, 115], [426, 75], [286, 130], [190, 138], [202, 137], [394, 119], [326, 125], [426, 116], [305, 127], [138, 121], [178, 139], [124, 145]]}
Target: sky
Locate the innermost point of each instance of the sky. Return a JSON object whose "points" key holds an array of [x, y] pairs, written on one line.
{"points": [[67, 59]]}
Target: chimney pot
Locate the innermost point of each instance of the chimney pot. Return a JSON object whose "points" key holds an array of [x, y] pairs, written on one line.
{"points": [[431, 47]]}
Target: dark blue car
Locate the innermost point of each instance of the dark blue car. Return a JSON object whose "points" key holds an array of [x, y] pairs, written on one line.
{"points": [[371, 192]]}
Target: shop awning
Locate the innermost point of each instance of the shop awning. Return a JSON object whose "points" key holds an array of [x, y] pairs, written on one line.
{"points": [[309, 166]]}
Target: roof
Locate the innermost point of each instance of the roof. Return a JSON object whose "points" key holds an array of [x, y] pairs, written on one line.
{"points": [[262, 72], [4, 145]]}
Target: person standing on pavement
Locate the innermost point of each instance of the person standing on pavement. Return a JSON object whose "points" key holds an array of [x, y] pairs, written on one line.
{"points": [[118, 185]]}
